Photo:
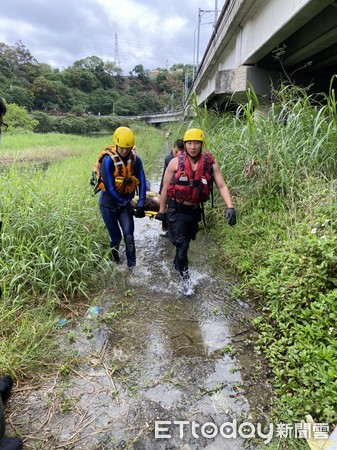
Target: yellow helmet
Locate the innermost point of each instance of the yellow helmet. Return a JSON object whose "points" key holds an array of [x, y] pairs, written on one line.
{"points": [[124, 137], [194, 134]]}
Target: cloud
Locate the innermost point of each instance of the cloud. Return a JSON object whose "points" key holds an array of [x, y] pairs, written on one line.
{"points": [[148, 32]]}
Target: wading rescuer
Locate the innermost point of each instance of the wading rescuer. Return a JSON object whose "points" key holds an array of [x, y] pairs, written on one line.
{"points": [[121, 172], [187, 184], [177, 146]]}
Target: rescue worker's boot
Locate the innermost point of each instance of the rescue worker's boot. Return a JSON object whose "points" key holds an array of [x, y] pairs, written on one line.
{"points": [[186, 281], [186, 284]]}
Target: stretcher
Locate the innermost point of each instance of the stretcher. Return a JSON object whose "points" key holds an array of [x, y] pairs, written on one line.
{"points": [[151, 204]]}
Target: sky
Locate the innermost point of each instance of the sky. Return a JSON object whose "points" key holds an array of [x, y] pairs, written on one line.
{"points": [[153, 33]]}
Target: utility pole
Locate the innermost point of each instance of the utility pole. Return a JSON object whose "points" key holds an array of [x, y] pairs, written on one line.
{"points": [[215, 13], [200, 14], [185, 87]]}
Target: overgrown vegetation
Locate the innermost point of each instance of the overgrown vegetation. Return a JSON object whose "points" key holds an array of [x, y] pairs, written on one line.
{"points": [[52, 240], [281, 169], [82, 93]]}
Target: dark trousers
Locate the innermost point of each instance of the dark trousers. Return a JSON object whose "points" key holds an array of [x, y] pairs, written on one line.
{"points": [[2, 419], [119, 220], [183, 224]]}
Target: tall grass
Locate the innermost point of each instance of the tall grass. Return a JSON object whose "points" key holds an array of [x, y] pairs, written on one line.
{"points": [[281, 169], [53, 244], [280, 164]]}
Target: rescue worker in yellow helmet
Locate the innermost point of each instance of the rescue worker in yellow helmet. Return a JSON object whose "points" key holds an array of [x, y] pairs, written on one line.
{"points": [[186, 185], [122, 172]]}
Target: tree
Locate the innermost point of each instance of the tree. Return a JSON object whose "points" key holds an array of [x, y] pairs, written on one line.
{"points": [[17, 117], [21, 96], [89, 85], [111, 69], [141, 72], [47, 95], [84, 80], [92, 63], [8, 62], [102, 101]]}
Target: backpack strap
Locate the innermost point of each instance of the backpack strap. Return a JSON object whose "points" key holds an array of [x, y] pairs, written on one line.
{"points": [[208, 166], [181, 161]]}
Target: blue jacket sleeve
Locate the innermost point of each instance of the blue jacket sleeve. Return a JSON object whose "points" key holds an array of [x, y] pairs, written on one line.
{"points": [[107, 170], [142, 179]]}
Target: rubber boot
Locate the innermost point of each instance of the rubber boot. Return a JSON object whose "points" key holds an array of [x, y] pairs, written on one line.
{"points": [[186, 281]]}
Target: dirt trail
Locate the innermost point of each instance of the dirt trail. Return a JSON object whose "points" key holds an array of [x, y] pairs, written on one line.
{"points": [[150, 355]]}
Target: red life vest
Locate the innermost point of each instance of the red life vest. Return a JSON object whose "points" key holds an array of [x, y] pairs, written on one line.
{"points": [[192, 186]]}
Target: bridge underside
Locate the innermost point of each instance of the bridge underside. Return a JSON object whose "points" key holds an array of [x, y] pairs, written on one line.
{"points": [[310, 50], [304, 51]]}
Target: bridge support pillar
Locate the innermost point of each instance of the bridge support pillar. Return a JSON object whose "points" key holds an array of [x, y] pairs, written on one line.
{"points": [[235, 82]]}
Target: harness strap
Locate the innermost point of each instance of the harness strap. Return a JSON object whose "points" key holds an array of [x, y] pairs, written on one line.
{"points": [[181, 161], [203, 214]]}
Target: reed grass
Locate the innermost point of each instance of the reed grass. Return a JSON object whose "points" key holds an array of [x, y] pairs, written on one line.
{"points": [[280, 165], [54, 245], [281, 169]]}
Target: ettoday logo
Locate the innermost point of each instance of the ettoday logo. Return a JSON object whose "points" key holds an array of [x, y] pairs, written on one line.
{"points": [[165, 429]]}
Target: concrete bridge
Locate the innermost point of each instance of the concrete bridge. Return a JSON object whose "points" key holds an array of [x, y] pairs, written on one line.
{"points": [[172, 116], [156, 118], [262, 41]]}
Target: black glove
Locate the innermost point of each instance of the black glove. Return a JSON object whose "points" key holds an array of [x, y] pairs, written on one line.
{"points": [[161, 216], [139, 212], [230, 216]]}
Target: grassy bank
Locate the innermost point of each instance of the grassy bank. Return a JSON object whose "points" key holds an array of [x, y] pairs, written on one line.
{"points": [[281, 169], [52, 239]]}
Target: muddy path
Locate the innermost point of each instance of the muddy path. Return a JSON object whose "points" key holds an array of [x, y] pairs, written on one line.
{"points": [[151, 357]]}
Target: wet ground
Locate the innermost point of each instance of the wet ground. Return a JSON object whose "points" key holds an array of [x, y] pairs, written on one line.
{"points": [[154, 369]]}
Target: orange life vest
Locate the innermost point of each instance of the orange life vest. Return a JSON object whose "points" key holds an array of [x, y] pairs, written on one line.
{"points": [[125, 180], [192, 186]]}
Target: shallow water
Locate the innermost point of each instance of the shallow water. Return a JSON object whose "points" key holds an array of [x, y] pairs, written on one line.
{"points": [[168, 358]]}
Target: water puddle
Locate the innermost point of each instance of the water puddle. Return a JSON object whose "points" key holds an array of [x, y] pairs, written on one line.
{"points": [[154, 367]]}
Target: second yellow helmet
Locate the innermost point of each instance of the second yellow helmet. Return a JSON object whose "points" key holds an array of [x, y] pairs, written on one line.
{"points": [[124, 137], [194, 134]]}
